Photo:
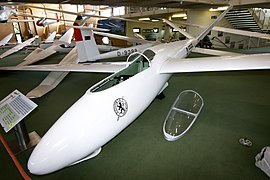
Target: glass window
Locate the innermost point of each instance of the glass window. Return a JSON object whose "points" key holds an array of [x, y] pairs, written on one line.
{"points": [[106, 12], [118, 11]]}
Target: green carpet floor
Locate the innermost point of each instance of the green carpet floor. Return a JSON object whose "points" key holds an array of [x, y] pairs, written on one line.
{"points": [[236, 105]]}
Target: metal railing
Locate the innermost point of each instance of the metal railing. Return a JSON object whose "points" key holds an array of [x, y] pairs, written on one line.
{"points": [[148, 11], [261, 16], [246, 43]]}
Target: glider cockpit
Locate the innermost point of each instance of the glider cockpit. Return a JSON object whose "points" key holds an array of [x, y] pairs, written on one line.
{"points": [[136, 63]]}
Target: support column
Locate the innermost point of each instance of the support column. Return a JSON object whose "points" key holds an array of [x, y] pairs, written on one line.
{"points": [[21, 135]]}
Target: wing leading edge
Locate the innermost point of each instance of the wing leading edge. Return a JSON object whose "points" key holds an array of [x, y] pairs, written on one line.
{"points": [[17, 47], [225, 63], [104, 67]]}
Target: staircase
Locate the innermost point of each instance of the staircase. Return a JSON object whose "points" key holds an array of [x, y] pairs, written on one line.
{"points": [[243, 19]]}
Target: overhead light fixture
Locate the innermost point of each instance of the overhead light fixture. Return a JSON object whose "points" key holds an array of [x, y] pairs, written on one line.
{"points": [[223, 8], [185, 17], [180, 15], [154, 20], [144, 19]]}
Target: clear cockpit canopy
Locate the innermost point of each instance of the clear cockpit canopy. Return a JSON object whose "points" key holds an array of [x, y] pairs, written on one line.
{"points": [[182, 115], [145, 57]]}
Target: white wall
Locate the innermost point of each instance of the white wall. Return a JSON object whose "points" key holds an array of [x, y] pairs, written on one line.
{"points": [[131, 25]]}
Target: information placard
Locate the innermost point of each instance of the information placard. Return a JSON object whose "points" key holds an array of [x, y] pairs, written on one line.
{"points": [[14, 108]]}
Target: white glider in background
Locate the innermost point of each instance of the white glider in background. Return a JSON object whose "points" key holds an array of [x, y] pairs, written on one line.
{"points": [[112, 104], [54, 78], [17, 47], [85, 40], [6, 13], [51, 37], [6, 39], [48, 42], [39, 54], [47, 49], [45, 21]]}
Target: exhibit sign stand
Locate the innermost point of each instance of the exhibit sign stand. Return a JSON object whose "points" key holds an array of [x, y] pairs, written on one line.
{"points": [[13, 109]]}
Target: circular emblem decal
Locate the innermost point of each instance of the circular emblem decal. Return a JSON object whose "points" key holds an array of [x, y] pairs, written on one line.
{"points": [[120, 107]]}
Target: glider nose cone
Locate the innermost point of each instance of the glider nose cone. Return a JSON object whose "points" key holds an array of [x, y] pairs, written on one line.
{"points": [[36, 164], [64, 145], [33, 167]]}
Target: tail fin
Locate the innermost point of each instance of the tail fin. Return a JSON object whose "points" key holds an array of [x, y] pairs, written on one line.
{"points": [[209, 28], [86, 44], [67, 37], [51, 37]]}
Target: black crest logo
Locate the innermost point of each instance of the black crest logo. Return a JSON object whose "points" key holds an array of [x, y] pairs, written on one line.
{"points": [[120, 107]]}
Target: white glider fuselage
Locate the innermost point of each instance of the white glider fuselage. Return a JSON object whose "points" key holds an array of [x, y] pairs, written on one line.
{"points": [[59, 49], [121, 52], [104, 111]]}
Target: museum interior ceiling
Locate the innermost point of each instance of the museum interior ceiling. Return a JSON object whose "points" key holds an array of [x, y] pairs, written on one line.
{"points": [[156, 3]]}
